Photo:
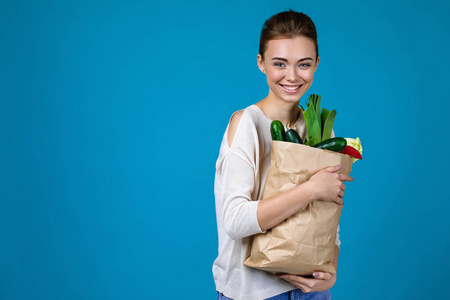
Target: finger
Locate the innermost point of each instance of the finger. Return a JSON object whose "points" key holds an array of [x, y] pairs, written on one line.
{"points": [[322, 275], [344, 177], [336, 168], [332, 169], [296, 279], [304, 288], [339, 200], [302, 283], [290, 278]]}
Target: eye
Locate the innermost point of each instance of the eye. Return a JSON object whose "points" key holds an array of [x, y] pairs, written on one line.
{"points": [[305, 65], [279, 64]]}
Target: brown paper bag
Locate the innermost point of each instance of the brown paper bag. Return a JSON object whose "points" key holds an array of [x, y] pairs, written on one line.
{"points": [[305, 242]]}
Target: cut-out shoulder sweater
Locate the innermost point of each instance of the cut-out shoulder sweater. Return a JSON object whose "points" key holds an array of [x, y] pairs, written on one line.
{"points": [[241, 172]]}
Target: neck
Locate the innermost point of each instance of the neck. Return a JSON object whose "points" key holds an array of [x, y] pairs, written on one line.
{"points": [[280, 110]]}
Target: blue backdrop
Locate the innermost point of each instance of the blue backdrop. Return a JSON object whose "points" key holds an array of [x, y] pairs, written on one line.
{"points": [[111, 117]]}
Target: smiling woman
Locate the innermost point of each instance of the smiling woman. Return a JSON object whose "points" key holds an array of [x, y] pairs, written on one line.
{"points": [[290, 67], [289, 57]]}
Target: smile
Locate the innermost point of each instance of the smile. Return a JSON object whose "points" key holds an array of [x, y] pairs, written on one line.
{"points": [[291, 88]]}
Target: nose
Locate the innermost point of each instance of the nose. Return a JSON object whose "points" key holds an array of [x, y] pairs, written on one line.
{"points": [[292, 74]]}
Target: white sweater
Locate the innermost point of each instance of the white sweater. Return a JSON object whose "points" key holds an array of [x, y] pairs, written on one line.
{"points": [[241, 172]]}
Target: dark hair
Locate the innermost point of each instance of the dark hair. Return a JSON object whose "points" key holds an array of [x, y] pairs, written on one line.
{"points": [[287, 24]]}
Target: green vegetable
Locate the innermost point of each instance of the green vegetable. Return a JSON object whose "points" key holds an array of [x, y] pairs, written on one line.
{"points": [[336, 144], [319, 124], [328, 125], [277, 131], [316, 101], [312, 123], [324, 116], [293, 137], [310, 142]]}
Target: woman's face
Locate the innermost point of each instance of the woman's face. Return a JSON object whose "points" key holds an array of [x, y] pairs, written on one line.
{"points": [[289, 64]]}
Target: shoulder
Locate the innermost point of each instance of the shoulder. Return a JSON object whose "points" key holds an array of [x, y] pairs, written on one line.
{"points": [[234, 123], [246, 122]]}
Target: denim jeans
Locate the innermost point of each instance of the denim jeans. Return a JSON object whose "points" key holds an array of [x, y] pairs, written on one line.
{"points": [[292, 295]]}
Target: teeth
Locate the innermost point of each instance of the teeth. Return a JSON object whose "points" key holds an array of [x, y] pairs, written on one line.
{"points": [[291, 88]]}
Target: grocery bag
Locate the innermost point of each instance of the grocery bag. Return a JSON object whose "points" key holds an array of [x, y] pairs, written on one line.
{"points": [[305, 242]]}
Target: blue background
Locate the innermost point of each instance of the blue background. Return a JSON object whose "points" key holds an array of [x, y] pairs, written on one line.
{"points": [[112, 114]]}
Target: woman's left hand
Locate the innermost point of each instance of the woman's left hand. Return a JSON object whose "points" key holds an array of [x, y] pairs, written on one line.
{"points": [[321, 281]]}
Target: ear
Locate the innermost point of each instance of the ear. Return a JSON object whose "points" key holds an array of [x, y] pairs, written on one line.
{"points": [[260, 62], [317, 63]]}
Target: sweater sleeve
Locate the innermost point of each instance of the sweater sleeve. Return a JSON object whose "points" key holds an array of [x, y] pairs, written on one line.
{"points": [[237, 180], [338, 241]]}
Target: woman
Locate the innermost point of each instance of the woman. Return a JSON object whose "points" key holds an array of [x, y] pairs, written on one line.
{"points": [[288, 56]]}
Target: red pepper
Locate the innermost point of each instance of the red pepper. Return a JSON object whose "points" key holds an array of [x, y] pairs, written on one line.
{"points": [[349, 150]]}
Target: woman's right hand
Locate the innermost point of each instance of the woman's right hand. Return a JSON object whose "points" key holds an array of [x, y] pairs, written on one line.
{"points": [[328, 185]]}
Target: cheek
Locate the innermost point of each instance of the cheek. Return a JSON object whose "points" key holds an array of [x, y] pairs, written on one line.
{"points": [[308, 76], [274, 76]]}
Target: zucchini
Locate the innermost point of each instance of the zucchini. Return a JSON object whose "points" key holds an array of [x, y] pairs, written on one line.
{"points": [[277, 131], [336, 144], [293, 137]]}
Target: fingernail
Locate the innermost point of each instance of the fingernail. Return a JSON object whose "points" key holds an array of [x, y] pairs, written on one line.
{"points": [[315, 274], [338, 167]]}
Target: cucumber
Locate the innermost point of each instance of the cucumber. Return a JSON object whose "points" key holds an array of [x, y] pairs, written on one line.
{"points": [[277, 131], [336, 144], [293, 137]]}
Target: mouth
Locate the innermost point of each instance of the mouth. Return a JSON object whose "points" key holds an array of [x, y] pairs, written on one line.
{"points": [[291, 89]]}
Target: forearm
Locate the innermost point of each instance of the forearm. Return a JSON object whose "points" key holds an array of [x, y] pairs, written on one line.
{"points": [[274, 210]]}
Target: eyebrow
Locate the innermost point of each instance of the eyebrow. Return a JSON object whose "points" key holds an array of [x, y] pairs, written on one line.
{"points": [[284, 59]]}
